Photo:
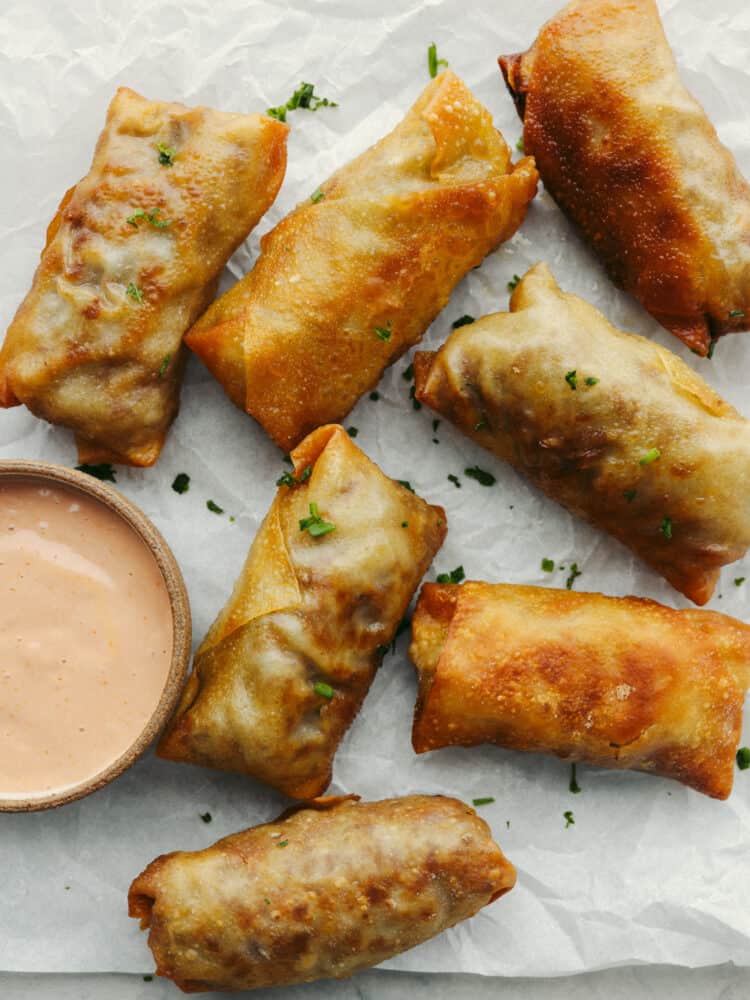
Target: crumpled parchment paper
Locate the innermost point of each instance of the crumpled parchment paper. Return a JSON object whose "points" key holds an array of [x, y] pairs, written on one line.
{"points": [[650, 872]]}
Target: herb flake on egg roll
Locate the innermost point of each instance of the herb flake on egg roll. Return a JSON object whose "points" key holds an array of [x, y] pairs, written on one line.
{"points": [[618, 682], [356, 273], [132, 258], [326, 890], [286, 665], [633, 160], [617, 429]]}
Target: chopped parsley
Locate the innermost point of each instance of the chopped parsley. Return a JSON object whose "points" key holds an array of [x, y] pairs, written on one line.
{"points": [[214, 507], [352, 431], [455, 576], [282, 843], [462, 321], [288, 479], [548, 565], [711, 348], [375, 395], [513, 282], [666, 527], [148, 979], [323, 690], [521, 146], [743, 758], [572, 379], [484, 801], [435, 425], [412, 396], [152, 217], [739, 580], [736, 313], [317, 196], [404, 524], [181, 482], [482, 477], [384, 332], [651, 456], [455, 480], [303, 97], [481, 425], [568, 817], [433, 63], [103, 471], [591, 380], [134, 292], [630, 495], [164, 365], [166, 154], [405, 483], [574, 574], [408, 373], [314, 524], [206, 817], [574, 786]]}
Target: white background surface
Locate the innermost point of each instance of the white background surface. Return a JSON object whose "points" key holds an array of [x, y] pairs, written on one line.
{"points": [[651, 872]]}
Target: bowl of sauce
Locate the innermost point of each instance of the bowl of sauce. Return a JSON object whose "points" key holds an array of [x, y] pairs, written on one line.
{"points": [[95, 634]]}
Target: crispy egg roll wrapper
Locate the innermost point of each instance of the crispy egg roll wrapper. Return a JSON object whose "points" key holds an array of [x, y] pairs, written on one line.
{"points": [[634, 162], [295, 343], [332, 888], [96, 344], [306, 611], [618, 682], [505, 381]]}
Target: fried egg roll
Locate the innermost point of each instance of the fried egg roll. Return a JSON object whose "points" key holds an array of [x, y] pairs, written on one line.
{"points": [[356, 273], [633, 160], [327, 889], [132, 258], [618, 682], [286, 665], [614, 427]]}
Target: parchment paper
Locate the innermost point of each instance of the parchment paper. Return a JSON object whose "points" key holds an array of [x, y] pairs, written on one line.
{"points": [[651, 872]]}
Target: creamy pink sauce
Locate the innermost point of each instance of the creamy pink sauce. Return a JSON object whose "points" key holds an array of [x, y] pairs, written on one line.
{"points": [[85, 637]]}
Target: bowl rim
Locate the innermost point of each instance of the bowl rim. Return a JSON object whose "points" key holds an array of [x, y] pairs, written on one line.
{"points": [[179, 602]]}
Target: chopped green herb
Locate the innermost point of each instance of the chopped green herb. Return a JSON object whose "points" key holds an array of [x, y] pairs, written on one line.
{"points": [[67, 888], [455, 480], [282, 843], [739, 580], [574, 786], [267, 901], [166, 154], [455, 576], [134, 292], [568, 817], [435, 425], [287, 459], [482, 477], [433, 63], [743, 758], [206, 817], [164, 365], [314, 524], [548, 565], [462, 321], [384, 332], [711, 348], [666, 527], [414, 401], [148, 979], [152, 217], [103, 471], [651, 456], [287, 479], [521, 146], [214, 507], [317, 196], [572, 379], [303, 97], [513, 282], [408, 373], [181, 482], [630, 495], [404, 524], [375, 396], [591, 380], [574, 574], [405, 483], [482, 425], [737, 313], [323, 690], [352, 431], [484, 801]]}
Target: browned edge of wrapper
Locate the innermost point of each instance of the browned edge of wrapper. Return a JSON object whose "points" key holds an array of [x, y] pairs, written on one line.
{"points": [[436, 607], [512, 69]]}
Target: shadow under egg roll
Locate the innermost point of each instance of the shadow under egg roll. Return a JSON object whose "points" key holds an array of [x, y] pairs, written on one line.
{"points": [[633, 160], [326, 890], [617, 429], [132, 259], [355, 274], [618, 682], [286, 665]]}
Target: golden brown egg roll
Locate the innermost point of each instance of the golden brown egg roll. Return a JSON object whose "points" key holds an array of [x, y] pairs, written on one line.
{"points": [[615, 428], [326, 890], [286, 665], [634, 162], [356, 273], [132, 258], [618, 682]]}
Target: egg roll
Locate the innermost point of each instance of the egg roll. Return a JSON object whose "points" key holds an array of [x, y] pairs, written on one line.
{"points": [[286, 665], [614, 427], [356, 273], [617, 682], [633, 160], [326, 890], [132, 258]]}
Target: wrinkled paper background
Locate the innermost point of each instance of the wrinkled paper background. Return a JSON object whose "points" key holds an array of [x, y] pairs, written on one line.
{"points": [[651, 872]]}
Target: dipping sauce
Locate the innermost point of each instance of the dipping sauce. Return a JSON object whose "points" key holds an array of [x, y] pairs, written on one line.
{"points": [[86, 635]]}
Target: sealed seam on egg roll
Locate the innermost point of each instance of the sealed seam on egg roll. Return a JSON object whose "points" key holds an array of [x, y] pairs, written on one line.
{"points": [[633, 160], [286, 665], [618, 682], [331, 888], [617, 429], [355, 274], [132, 258]]}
